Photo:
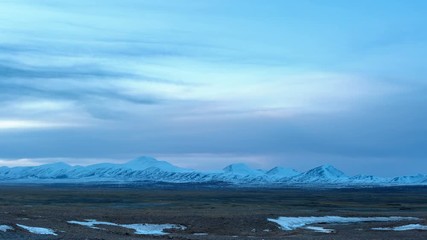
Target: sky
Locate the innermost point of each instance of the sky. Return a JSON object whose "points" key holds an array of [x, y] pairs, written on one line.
{"points": [[202, 84]]}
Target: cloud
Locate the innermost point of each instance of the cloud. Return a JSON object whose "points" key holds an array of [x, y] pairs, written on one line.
{"points": [[17, 162], [87, 80], [23, 162], [81, 72], [11, 124]]}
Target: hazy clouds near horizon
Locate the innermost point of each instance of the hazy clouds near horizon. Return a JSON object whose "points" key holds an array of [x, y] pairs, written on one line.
{"points": [[206, 83]]}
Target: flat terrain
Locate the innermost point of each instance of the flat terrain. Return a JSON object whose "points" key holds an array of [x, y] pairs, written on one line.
{"points": [[221, 213]]}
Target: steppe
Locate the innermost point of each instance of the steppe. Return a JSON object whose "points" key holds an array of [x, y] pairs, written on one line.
{"points": [[207, 212]]}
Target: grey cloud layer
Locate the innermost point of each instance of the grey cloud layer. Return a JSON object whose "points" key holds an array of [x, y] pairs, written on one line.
{"points": [[175, 79]]}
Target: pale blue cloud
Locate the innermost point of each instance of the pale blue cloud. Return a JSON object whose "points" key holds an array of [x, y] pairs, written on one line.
{"points": [[277, 81]]}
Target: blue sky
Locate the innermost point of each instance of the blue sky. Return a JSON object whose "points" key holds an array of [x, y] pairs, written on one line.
{"points": [[206, 83]]}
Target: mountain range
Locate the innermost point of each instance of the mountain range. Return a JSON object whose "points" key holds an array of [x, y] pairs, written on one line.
{"points": [[147, 169]]}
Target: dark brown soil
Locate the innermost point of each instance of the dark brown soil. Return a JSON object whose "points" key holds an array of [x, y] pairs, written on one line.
{"points": [[221, 213]]}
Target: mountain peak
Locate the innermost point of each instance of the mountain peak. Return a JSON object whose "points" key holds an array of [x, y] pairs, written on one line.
{"points": [[325, 173], [242, 169], [236, 167], [283, 172], [327, 170], [327, 166], [144, 162], [57, 165]]}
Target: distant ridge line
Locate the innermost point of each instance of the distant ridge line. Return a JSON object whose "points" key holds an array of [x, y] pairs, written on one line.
{"points": [[148, 169]]}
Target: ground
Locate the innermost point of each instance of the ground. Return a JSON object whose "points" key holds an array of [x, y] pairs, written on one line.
{"points": [[223, 213]]}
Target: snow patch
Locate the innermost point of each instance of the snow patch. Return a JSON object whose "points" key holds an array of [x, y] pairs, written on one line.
{"points": [[320, 229], [4, 228], [144, 229], [403, 228], [152, 229], [38, 230], [91, 223], [292, 223]]}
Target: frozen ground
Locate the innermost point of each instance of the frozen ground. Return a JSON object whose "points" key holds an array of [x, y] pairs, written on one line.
{"points": [[292, 223], [403, 228], [211, 214], [143, 229], [37, 230], [320, 229], [4, 228]]}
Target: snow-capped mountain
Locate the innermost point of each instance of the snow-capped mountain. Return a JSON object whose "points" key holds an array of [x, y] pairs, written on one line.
{"points": [[367, 178], [143, 163], [242, 169], [148, 169], [420, 178], [281, 172], [322, 174]]}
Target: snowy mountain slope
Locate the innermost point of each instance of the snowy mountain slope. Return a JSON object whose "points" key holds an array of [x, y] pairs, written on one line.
{"points": [[54, 170], [420, 178], [102, 170], [322, 174], [242, 169], [360, 179], [281, 172], [143, 163], [152, 170]]}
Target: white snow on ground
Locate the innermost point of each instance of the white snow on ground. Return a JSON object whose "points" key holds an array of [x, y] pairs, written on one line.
{"points": [[403, 228], [292, 223], [4, 228], [146, 229], [91, 223], [320, 229], [37, 230], [151, 229]]}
